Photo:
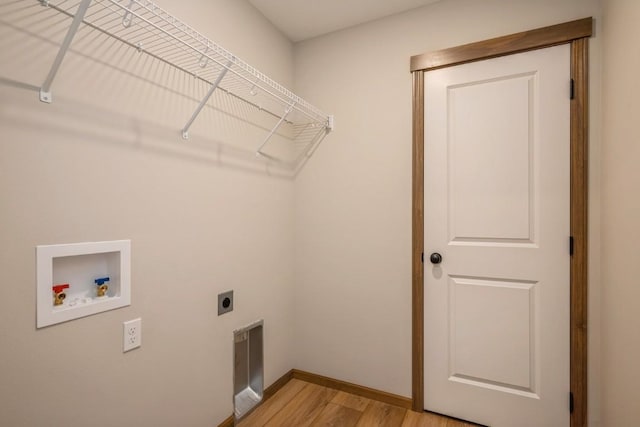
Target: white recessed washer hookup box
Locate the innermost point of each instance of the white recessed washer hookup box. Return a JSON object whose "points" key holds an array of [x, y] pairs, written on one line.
{"points": [[80, 279]]}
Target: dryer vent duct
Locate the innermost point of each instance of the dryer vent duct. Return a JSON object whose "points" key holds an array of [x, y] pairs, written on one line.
{"points": [[248, 372]]}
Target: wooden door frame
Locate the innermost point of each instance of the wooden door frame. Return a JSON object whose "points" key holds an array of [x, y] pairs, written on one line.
{"points": [[577, 34]]}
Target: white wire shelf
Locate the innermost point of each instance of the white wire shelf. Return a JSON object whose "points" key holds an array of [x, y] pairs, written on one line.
{"points": [[151, 30]]}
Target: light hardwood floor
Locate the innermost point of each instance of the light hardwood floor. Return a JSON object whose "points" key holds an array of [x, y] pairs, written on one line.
{"points": [[301, 404]]}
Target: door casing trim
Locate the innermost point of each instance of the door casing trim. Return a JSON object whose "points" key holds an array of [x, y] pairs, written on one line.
{"points": [[577, 34]]}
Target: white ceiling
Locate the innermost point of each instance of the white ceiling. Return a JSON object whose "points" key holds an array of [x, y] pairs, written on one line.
{"points": [[303, 19]]}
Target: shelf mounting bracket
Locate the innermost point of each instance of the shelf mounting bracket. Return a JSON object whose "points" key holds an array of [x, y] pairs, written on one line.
{"points": [[315, 142], [330, 124], [214, 86], [275, 128], [45, 90]]}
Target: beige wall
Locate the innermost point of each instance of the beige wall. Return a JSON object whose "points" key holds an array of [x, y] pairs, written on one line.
{"points": [[105, 161], [620, 214], [107, 166], [353, 200]]}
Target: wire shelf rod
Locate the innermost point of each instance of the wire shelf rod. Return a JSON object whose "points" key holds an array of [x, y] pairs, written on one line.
{"points": [[232, 86], [235, 62], [161, 59], [288, 95], [169, 21]]}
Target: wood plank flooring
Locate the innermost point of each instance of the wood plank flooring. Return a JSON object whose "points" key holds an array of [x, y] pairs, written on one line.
{"points": [[302, 404]]}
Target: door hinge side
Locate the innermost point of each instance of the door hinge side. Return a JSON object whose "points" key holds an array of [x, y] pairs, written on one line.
{"points": [[571, 402], [571, 245], [572, 89]]}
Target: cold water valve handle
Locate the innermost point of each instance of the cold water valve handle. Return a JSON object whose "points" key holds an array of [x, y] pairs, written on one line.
{"points": [[102, 286]]}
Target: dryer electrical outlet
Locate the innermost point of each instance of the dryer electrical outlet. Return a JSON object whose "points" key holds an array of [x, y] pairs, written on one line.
{"points": [[225, 302]]}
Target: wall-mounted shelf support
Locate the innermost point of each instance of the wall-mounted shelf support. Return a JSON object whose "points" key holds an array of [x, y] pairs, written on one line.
{"points": [[45, 90], [316, 141], [275, 128], [127, 19], [214, 86]]}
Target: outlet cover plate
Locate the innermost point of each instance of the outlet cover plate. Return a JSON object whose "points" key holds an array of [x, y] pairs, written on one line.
{"points": [[131, 334]]}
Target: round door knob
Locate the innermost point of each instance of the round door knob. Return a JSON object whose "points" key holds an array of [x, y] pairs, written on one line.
{"points": [[435, 258]]}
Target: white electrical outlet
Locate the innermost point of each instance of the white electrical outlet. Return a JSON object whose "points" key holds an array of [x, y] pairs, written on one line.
{"points": [[132, 334]]}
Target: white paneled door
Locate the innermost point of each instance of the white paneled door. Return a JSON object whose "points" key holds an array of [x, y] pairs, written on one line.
{"points": [[497, 214]]}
